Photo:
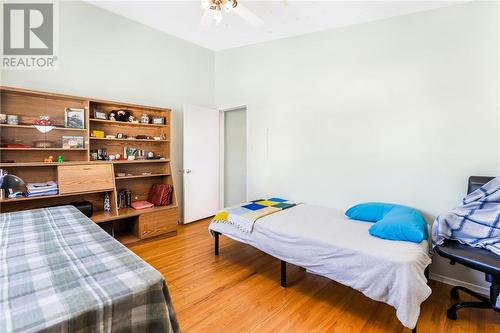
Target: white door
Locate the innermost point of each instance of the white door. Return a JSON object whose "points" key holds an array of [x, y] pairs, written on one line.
{"points": [[201, 162]]}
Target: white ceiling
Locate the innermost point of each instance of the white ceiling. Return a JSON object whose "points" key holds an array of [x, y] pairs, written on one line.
{"points": [[280, 19]]}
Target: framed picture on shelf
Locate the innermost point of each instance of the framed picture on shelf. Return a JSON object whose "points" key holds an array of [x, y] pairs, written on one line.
{"points": [[71, 142], [98, 114], [158, 121], [74, 118]]}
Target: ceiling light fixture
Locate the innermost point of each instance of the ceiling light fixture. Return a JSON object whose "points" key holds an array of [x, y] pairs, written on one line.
{"points": [[217, 6]]}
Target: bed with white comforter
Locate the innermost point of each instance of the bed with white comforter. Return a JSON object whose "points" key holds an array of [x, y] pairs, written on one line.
{"points": [[325, 242]]}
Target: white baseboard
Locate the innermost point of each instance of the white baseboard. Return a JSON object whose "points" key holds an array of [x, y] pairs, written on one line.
{"points": [[455, 282]]}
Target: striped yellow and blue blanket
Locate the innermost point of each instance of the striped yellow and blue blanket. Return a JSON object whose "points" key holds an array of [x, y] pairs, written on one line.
{"points": [[245, 215]]}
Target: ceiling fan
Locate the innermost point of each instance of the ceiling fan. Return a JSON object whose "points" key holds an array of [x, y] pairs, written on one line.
{"points": [[214, 8]]}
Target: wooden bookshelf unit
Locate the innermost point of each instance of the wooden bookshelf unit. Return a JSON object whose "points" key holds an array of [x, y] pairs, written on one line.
{"points": [[82, 178]]}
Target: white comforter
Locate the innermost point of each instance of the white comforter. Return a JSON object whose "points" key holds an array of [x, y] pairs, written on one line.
{"points": [[325, 242]]}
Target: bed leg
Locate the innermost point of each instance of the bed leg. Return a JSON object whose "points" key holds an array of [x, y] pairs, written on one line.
{"points": [[216, 248], [283, 274]]}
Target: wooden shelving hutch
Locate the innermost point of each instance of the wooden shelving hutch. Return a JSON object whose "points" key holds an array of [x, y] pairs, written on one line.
{"points": [[79, 177]]}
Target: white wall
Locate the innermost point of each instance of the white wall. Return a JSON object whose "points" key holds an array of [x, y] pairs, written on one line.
{"points": [[399, 110], [106, 56], [235, 157]]}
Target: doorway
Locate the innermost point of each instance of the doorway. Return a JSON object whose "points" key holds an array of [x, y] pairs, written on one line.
{"points": [[234, 156]]}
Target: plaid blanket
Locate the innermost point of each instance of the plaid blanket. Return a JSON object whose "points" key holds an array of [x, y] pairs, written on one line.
{"points": [[60, 272], [476, 222], [244, 216]]}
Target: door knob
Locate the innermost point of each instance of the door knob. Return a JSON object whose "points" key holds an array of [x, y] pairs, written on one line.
{"points": [[188, 170]]}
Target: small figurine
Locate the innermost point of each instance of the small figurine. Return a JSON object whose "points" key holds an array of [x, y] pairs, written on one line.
{"points": [[48, 160], [112, 116], [131, 119], [60, 159], [107, 204], [121, 115], [144, 119]]}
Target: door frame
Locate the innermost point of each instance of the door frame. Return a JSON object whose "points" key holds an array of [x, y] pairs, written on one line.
{"points": [[222, 112]]}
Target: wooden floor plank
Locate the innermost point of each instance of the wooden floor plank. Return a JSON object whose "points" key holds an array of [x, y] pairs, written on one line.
{"points": [[239, 291]]}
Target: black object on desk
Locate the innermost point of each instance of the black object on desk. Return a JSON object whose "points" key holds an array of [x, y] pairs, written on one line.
{"points": [[475, 258], [85, 207]]}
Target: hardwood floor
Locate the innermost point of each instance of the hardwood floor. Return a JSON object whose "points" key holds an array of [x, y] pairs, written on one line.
{"points": [[239, 291]]}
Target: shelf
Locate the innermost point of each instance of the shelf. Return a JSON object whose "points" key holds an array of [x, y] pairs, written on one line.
{"points": [[44, 149], [33, 127], [42, 94], [31, 198], [102, 216], [140, 161], [126, 238], [51, 196], [128, 212], [124, 123], [143, 176], [132, 140], [40, 164], [27, 159]]}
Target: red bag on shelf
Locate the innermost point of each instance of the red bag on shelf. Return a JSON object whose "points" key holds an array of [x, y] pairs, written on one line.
{"points": [[160, 194]]}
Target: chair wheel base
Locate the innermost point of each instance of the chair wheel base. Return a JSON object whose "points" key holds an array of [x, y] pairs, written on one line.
{"points": [[451, 314]]}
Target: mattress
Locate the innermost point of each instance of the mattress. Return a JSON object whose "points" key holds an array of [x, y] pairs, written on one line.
{"points": [[325, 242]]}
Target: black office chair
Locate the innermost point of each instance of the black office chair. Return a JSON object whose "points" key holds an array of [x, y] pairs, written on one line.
{"points": [[475, 258]]}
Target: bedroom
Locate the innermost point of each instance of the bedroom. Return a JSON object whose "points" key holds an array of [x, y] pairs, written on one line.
{"points": [[343, 102]]}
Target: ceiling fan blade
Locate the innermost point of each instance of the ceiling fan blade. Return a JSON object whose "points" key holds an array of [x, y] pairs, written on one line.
{"points": [[248, 15], [206, 19]]}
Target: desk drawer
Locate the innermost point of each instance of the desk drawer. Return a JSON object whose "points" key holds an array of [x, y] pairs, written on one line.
{"points": [[85, 178]]}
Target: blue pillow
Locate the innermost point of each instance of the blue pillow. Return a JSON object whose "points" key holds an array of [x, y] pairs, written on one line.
{"points": [[401, 223], [370, 211]]}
